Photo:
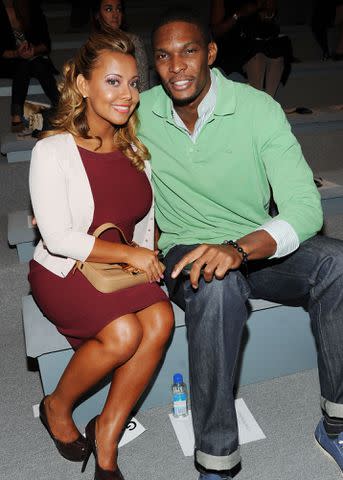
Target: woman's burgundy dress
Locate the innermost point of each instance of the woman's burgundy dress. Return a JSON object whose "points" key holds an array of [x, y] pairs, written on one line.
{"points": [[122, 195]]}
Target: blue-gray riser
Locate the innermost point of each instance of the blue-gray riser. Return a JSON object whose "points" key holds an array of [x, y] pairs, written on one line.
{"points": [[277, 341], [304, 45], [323, 151], [313, 85]]}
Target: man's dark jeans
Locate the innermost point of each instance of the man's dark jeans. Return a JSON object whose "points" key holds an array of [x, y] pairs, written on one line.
{"points": [[215, 315]]}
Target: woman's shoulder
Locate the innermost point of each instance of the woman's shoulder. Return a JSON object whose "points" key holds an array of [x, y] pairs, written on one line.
{"points": [[57, 140]]}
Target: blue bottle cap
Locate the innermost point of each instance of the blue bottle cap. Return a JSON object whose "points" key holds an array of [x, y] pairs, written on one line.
{"points": [[178, 378]]}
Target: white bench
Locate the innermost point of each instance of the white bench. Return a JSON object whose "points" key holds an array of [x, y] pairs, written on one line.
{"points": [[17, 148], [277, 341], [22, 234], [6, 87]]}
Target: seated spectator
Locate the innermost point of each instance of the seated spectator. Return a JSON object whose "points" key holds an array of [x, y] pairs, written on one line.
{"points": [[326, 13], [108, 15], [249, 41], [24, 53]]}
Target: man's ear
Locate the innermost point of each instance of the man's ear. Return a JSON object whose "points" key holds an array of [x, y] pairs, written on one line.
{"points": [[82, 85], [212, 53]]}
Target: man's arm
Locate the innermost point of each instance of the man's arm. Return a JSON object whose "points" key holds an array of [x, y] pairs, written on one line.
{"points": [[217, 260], [290, 177], [298, 201]]}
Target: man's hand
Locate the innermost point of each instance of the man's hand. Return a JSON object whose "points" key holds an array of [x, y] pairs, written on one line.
{"points": [[214, 260]]}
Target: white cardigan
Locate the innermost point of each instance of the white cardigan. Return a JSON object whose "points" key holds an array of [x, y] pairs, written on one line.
{"points": [[63, 205]]}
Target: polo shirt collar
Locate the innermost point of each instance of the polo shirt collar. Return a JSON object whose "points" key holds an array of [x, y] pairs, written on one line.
{"points": [[225, 104]]}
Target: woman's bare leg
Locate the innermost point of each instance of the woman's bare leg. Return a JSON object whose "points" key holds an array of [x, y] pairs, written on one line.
{"points": [[256, 69], [133, 345], [113, 346], [131, 379], [274, 72]]}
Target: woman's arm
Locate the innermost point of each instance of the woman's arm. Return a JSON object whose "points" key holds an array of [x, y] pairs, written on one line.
{"points": [[40, 49], [222, 24], [49, 189], [9, 54], [219, 23]]}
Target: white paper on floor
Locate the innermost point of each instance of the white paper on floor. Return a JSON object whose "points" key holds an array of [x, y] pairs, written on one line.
{"points": [[133, 428], [248, 428]]}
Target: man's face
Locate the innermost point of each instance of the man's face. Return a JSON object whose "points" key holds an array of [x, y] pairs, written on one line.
{"points": [[182, 60]]}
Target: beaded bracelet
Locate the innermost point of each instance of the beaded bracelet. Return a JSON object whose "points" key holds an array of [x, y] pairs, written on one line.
{"points": [[239, 250]]}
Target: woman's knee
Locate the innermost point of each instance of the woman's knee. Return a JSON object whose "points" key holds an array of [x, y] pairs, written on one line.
{"points": [[122, 337], [157, 323]]}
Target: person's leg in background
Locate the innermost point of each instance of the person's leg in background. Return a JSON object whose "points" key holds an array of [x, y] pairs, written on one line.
{"points": [[274, 72], [215, 315], [41, 69], [20, 85], [8, 69], [338, 54], [321, 19], [255, 69], [314, 273]]}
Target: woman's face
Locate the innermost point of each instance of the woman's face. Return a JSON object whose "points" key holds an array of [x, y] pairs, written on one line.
{"points": [[112, 89], [111, 13]]}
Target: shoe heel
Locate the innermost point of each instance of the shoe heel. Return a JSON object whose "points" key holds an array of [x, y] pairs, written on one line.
{"points": [[88, 454]]}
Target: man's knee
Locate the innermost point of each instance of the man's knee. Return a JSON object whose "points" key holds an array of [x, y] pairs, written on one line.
{"points": [[218, 298], [329, 254]]}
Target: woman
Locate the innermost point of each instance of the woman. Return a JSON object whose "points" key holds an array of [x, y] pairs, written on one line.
{"points": [[24, 49], [248, 38], [108, 16], [86, 172]]}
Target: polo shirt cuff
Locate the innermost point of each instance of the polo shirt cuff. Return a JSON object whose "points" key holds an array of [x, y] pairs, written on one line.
{"points": [[286, 238]]}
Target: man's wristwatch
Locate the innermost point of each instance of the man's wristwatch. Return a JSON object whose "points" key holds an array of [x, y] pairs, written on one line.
{"points": [[235, 17]]}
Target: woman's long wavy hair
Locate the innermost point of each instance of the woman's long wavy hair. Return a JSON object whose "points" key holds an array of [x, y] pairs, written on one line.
{"points": [[71, 114]]}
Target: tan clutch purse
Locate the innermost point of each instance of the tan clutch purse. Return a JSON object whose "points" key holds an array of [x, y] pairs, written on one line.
{"points": [[111, 277]]}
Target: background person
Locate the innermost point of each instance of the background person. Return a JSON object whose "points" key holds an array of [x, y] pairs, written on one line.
{"points": [[249, 40], [108, 15], [326, 13], [24, 53], [88, 171]]}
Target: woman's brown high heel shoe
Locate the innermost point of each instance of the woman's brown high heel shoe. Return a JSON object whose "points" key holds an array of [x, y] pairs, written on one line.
{"points": [[100, 474], [74, 451]]}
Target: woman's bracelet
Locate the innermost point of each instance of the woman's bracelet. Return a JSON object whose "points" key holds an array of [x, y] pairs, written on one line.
{"points": [[235, 17]]}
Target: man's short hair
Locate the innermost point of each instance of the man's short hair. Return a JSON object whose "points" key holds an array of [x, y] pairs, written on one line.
{"points": [[183, 14]]}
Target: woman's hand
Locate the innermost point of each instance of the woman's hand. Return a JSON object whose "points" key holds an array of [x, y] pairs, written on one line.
{"points": [[26, 51], [146, 260]]}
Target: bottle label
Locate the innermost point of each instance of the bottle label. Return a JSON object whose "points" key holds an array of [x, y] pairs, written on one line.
{"points": [[180, 404]]}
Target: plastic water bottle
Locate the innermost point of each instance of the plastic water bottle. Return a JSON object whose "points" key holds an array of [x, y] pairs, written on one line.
{"points": [[180, 396]]}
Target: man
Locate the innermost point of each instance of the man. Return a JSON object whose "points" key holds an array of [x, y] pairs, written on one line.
{"points": [[216, 148]]}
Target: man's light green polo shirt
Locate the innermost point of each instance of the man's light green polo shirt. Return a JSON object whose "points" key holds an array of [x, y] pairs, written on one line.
{"points": [[218, 188]]}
